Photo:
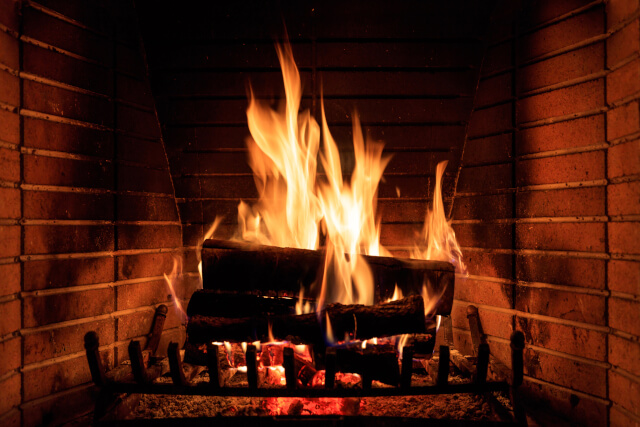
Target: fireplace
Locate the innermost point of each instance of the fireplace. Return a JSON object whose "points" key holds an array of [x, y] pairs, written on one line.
{"points": [[122, 137]]}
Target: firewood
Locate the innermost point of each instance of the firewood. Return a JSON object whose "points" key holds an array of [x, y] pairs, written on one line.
{"points": [[207, 302], [375, 362], [359, 321]]}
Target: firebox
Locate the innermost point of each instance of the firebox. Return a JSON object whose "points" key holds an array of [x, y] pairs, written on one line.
{"points": [[123, 139]]}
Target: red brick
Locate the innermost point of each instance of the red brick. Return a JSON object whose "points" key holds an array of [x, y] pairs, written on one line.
{"points": [[494, 323], [193, 234], [142, 294], [624, 198], [135, 178], [10, 202], [9, 51], [567, 134], [211, 163], [10, 283], [10, 321], [60, 409], [492, 149], [624, 354], [11, 351], [623, 43], [491, 120], [623, 82], [483, 207], [409, 186], [150, 153], [588, 201], [129, 60], [10, 17], [563, 33], [570, 236], [620, 419], [561, 304], [9, 165], [146, 237], [191, 210], [625, 392], [495, 236], [240, 187], [624, 237], [624, 276], [624, 315], [10, 241], [562, 102], [139, 122], [45, 345], [146, 208], [136, 324], [67, 172], [389, 210], [49, 379], [620, 10], [50, 205], [65, 103], [624, 159], [497, 58], [13, 418], [542, 11], [583, 272], [145, 265], [68, 138], [77, 10], [135, 90], [74, 305], [9, 88], [494, 89], [61, 273], [570, 168], [623, 120], [566, 339], [9, 129], [39, 239], [488, 264], [485, 178], [561, 68], [484, 292], [565, 372], [11, 388]]}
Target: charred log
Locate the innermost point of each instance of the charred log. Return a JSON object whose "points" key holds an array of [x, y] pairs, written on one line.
{"points": [[207, 302]]}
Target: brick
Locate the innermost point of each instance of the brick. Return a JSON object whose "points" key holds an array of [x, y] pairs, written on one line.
{"points": [[397, 211], [145, 208], [562, 68], [624, 354], [623, 82], [624, 159], [624, 276], [565, 372], [10, 241], [62, 273], [50, 205], [579, 132], [134, 178], [74, 305], [11, 388], [494, 89], [191, 211], [138, 122], [494, 323], [191, 112], [10, 17], [620, 10], [625, 392], [620, 419], [561, 304], [9, 51], [44, 239], [65, 69], [569, 168], [68, 138], [9, 88], [494, 236], [145, 265], [129, 60], [492, 149], [60, 408], [134, 90], [136, 324], [61, 102], [484, 292], [9, 128], [91, 17], [483, 207], [624, 198], [10, 321], [488, 264], [623, 120], [12, 418], [566, 339], [409, 186], [400, 234], [67, 172], [582, 272], [540, 12], [589, 201], [10, 201], [561, 34], [561, 102], [10, 274], [205, 138], [497, 58], [148, 236], [576, 236], [142, 294], [211, 163], [624, 237], [150, 153], [9, 165], [485, 178], [11, 351], [623, 43], [43, 345], [491, 120], [240, 187], [624, 315]]}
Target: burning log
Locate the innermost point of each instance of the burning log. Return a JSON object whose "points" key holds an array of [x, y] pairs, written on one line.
{"points": [[207, 302], [245, 267], [359, 321]]}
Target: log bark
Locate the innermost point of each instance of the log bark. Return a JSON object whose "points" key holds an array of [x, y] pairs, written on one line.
{"points": [[207, 302], [244, 267], [403, 316]]}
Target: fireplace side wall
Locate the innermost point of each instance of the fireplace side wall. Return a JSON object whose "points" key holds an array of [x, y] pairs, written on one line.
{"points": [[547, 204], [89, 220]]}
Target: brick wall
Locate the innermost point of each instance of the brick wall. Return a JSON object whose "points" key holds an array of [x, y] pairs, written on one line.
{"points": [[88, 219], [547, 203]]}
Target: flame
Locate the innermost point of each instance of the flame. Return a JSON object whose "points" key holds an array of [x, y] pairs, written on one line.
{"points": [[171, 279], [207, 235], [329, 332]]}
